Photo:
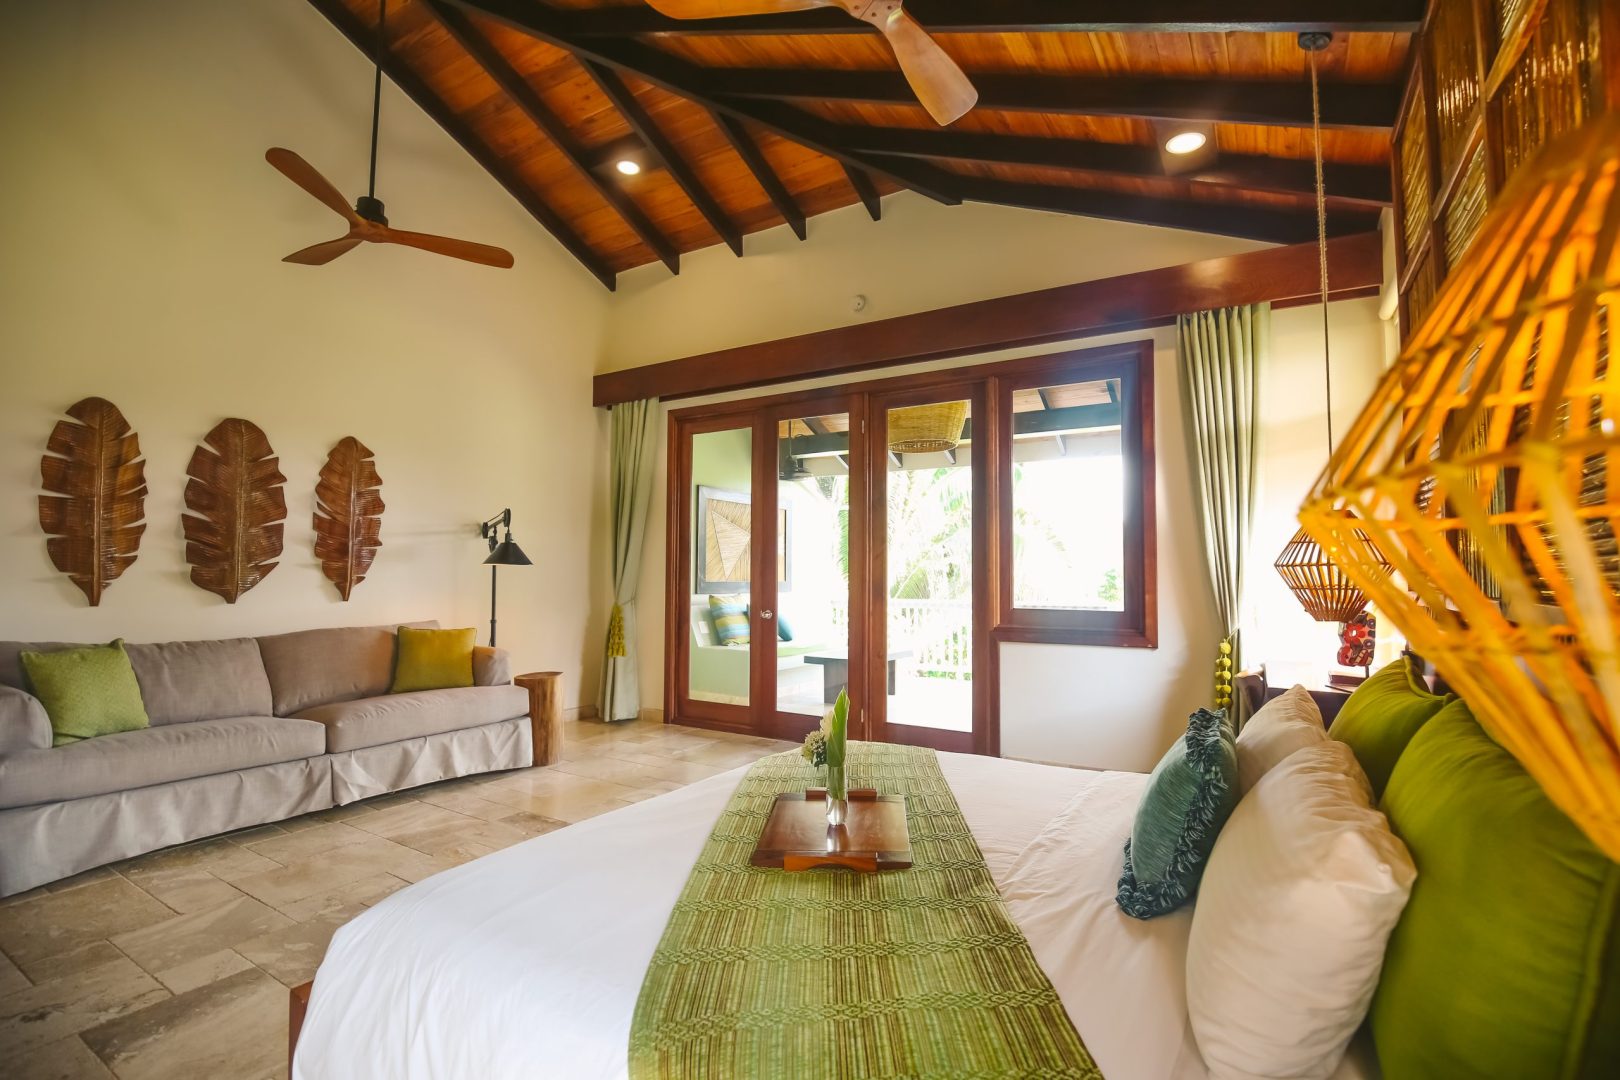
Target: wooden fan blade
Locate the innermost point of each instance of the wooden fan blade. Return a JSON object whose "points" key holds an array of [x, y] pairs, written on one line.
{"points": [[940, 85], [304, 175], [324, 252], [444, 245], [719, 9]]}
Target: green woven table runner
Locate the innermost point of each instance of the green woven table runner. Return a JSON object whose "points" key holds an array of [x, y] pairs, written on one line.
{"points": [[832, 975]]}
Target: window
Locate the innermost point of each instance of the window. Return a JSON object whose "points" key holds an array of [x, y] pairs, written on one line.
{"points": [[1076, 514]]}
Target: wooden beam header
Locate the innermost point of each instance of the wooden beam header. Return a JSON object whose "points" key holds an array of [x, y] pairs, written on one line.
{"points": [[1284, 276]]}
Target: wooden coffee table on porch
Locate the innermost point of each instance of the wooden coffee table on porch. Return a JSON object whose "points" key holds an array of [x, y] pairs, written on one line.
{"points": [[835, 670]]}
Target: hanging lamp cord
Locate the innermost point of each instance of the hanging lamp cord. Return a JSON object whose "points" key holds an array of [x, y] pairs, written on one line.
{"points": [[376, 96], [1321, 242]]}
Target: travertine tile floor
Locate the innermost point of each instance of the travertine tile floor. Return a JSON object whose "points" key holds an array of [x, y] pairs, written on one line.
{"points": [[175, 965]]}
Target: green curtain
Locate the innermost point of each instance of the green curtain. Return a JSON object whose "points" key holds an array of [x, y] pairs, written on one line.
{"points": [[1221, 353], [630, 491]]}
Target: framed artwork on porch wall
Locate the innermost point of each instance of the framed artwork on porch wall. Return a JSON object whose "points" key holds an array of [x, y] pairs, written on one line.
{"points": [[724, 542]]}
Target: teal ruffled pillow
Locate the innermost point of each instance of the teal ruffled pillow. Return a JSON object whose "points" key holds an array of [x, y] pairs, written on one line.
{"points": [[1190, 794]]}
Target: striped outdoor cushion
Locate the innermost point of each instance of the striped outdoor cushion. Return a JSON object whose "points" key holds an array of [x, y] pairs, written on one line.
{"points": [[729, 614]]}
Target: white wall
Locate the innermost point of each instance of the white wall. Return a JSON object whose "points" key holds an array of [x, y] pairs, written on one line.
{"points": [[143, 232], [921, 256], [1111, 708]]}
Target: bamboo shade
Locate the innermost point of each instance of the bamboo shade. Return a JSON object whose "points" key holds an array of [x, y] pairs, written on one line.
{"points": [[1455, 57], [1467, 208], [1414, 166], [1550, 87], [1490, 440]]}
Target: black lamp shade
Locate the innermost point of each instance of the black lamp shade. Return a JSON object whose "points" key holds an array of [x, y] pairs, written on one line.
{"points": [[507, 553]]}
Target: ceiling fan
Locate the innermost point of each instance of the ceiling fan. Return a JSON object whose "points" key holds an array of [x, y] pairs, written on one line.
{"points": [[366, 219], [940, 85]]}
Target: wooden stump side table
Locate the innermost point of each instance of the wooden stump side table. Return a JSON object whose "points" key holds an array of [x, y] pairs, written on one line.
{"points": [[545, 713]]}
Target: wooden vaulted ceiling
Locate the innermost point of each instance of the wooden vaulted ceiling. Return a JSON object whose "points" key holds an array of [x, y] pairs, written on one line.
{"points": [[753, 122]]}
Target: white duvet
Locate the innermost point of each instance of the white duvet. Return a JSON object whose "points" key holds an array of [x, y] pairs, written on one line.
{"points": [[527, 963]]}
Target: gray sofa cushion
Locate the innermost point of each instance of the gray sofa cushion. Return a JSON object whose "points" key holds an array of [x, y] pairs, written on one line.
{"points": [[491, 666], [158, 755], [24, 724], [201, 680], [315, 667], [351, 725]]}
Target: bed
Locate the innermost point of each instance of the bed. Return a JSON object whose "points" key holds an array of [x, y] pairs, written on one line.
{"points": [[528, 962]]}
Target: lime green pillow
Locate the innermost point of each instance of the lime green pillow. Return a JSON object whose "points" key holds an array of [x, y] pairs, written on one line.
{"points": [[729, 614], [1190, 794], [1506, 961], [1381, 717], [86, 692], [434, 659]]}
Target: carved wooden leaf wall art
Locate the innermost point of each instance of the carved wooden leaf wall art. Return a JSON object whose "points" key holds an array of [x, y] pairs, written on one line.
{"points": [[94, 514], [348, 514], [233, 532]]}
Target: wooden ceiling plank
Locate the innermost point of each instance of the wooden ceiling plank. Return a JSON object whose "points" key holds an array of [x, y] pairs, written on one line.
{"points": [[644, 127], [769, 182], [1344, 105], [867, 191], [482, 50], [363, 38], [1036, 16], [1221, 218], [1285, 277], [685, 80], [1361, 184]]}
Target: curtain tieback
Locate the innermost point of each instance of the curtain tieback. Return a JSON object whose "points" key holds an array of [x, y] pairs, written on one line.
{"points": [[1223, 674], [616, 632]]}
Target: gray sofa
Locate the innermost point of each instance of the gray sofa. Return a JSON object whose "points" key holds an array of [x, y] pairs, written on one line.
{"points": [[243, 732]]}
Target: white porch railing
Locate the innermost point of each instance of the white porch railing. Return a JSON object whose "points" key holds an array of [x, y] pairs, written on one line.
{"points": [[939, 634]]}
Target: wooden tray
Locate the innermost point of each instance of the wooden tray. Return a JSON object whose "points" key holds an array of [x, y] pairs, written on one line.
{"points": [[873, 837]]}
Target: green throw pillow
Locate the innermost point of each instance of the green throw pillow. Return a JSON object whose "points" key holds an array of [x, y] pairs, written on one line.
{"points": [[1506, 961], [86, 692], [434, 659], [1189, 796], [1381, 717], [729, 614]]}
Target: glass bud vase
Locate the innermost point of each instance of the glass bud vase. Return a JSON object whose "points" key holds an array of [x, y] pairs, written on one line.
{"points": [[837, 795]]}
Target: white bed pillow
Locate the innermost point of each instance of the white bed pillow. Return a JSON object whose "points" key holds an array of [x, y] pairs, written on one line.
{"points": [[1288, 722], [1304, 886]]}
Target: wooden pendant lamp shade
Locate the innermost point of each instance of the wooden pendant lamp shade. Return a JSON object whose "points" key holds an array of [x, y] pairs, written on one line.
{"points": [[1481, 469], [1324, 590]]}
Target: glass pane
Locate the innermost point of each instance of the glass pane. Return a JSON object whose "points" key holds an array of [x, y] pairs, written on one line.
{"points": [[722, 549], [1068, 497], [930, 545], [812, 561]]}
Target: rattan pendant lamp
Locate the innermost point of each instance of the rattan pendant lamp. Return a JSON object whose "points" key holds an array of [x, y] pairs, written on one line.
{"points": [[1317, 582], [1481, 466]]}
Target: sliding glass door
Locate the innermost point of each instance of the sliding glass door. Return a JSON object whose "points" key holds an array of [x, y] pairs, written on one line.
{"points": [[766, 574]]}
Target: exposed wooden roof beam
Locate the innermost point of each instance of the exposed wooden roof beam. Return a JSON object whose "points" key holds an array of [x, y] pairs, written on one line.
{"points": [[865, 190], [685, 79], [476, 45], [649, 133], [1365, 184], [1013, 16], [769, 182], [1287, 104], [1221, 218], [363, 38]]}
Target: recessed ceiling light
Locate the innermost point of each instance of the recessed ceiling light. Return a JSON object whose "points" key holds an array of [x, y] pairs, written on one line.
{"points": [[631, 168], [1185, 142]]}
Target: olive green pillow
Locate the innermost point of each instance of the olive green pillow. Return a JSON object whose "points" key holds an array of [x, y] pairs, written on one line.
{"points": [[86, 692], [1381, 717], [1190, 794], [434, 659], [1506, 961]]}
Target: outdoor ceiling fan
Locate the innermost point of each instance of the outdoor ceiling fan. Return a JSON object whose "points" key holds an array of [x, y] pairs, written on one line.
{"points": [[940, 85], [366, 219]]}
